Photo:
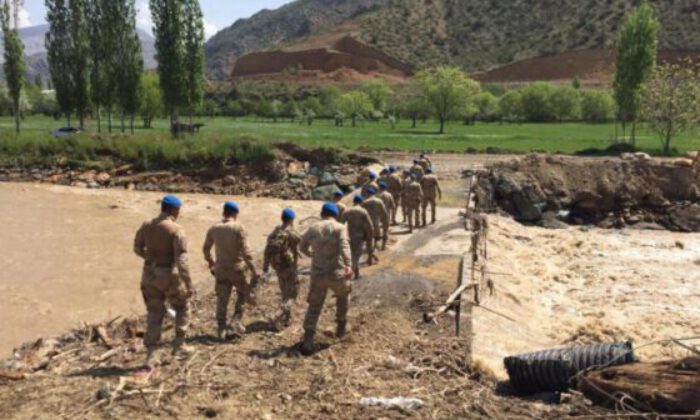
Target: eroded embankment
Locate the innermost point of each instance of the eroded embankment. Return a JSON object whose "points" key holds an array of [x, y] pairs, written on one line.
{"points": [[552, 190]]}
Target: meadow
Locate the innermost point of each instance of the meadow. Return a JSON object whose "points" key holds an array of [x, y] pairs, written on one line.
{"points": [[247, 140]]}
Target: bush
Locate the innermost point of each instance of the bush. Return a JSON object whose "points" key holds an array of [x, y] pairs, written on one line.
{"points": [[597, 106], [510, 105], [565, 102], [536, 102]]}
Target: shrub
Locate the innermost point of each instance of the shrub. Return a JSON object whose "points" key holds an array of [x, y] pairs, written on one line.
{"points": [[597, 106]]}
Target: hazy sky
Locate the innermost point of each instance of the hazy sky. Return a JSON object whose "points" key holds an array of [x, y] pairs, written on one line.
{"points": [[218, 14]]}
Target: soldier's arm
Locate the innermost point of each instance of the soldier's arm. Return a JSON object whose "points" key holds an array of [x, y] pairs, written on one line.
{"points": [[208, 244], [247, 256], [345, 248], [385, 220], [437, 185], [294, 245], [369, 227], [140, 242], [181, 260], [266, 255]]}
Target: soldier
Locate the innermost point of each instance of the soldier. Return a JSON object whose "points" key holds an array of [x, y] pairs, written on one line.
{"points": [[162, 245], [232, 258], [361, 232], [387, 199], [337, 198], [326, 242], [412, 198], [417, 170], [424, 161], [371, 183], [431, 191], [404, 182], [394, 185], [380, 218], [282, 253]]}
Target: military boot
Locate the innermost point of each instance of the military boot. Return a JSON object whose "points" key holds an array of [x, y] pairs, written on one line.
{"points": [[341, 329], [307, 346]]}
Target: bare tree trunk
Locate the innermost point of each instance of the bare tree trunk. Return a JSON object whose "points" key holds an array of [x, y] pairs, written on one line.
{"points": [[442, 125], [17, 116], [123, 124], [109, 117], [132, 124]]}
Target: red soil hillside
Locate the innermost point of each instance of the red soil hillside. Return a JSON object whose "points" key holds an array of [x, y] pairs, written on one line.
{"points": [[596, 66], [337, 57]]}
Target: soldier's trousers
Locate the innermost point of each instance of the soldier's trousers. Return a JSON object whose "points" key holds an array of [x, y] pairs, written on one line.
{"points": [[413, 215], [356, 249], [318, 290], [158, 286], [226, 280], [397, 205], [428, 201], [289, 286]]}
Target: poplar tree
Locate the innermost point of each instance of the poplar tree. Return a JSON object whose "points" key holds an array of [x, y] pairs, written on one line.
{"points": [[99, 30], [79, 57], [58, 45], [194, 55], [129, 61], [14, 55], [168, 29], [636, 57]]}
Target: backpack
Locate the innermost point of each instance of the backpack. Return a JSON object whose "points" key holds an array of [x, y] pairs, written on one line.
{"points": [[278, 249]]}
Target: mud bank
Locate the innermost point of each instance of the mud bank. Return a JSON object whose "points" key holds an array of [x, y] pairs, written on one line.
{"points": [[610, 193]]}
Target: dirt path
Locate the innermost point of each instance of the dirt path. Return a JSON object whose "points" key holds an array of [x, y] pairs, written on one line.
{"points": [[67, 253]]}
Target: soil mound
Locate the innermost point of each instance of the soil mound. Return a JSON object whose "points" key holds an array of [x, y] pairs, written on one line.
{"points": [[548, 190], [339, 55]]}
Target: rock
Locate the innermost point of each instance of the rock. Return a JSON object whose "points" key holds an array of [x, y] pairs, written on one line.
{"points": [[124, 170], [627, 156], [228, 181], [79, 184], [526, 211], [642, 156], [299, 175], [692, 155], [550, 221], [684, 163], [87, 176], [103, 178], [326, 178], [324, 193], [93, 185], [295, 182], [633, 220]]}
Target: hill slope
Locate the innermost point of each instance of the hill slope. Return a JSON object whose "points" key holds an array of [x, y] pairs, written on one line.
{"points": [[475, 34]]}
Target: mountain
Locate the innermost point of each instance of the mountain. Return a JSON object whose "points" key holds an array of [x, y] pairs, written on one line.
{"points": [[477, 35], [35, 50]]}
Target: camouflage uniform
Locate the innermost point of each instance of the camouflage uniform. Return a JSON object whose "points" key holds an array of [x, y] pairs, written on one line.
{"points": [[161, 243], [232, 257], [282, 253], [331, 256], [380, 218], [341, 207], [361, 232], [394, 186], [388, 200], [424, 163], [418, 171], [412, 197], [431, 191]]}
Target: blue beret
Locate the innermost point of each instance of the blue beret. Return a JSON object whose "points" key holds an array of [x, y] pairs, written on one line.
{"points": [[288, 214], [372, 175], [232, 207], [371, 191], [415, 161], [338, 194], [429, 171], [171, 201], [358, 199], [392, 169], [382, 185], [330, 208]]}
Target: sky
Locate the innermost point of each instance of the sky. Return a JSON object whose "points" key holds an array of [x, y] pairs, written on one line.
{"points": [[218, 14]]}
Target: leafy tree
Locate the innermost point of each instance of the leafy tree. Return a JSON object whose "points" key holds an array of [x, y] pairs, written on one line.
{"points": [[210, 108], [58, 45], [415, 107], [128, 69], [486, 106], [671, 101], [636, 58], [169, 30], [447, 90], [234, 109], [194, 55], [100, 31], [275, 109], [536, 102], [290, 109], [14, 55], [79, 56], [311, 107], [510, 105], [356, 105], [151, 99], [328, 97], [566, 103], [379, 92], [597, 106]]}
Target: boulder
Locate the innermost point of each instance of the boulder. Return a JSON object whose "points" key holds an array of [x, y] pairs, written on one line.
{"points": [[550, 220], [324, 193], [103, 178], [683, 162], [326, 178]]}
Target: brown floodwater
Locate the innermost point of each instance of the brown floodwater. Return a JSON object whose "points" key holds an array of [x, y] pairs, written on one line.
{"points": [[66, 253]]}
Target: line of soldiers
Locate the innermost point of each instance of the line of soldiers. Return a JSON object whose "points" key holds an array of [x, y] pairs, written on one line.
{"points": [[334, 244]]}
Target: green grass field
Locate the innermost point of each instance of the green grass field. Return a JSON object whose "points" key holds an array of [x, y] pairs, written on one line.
{"points": [[562, 137]]}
